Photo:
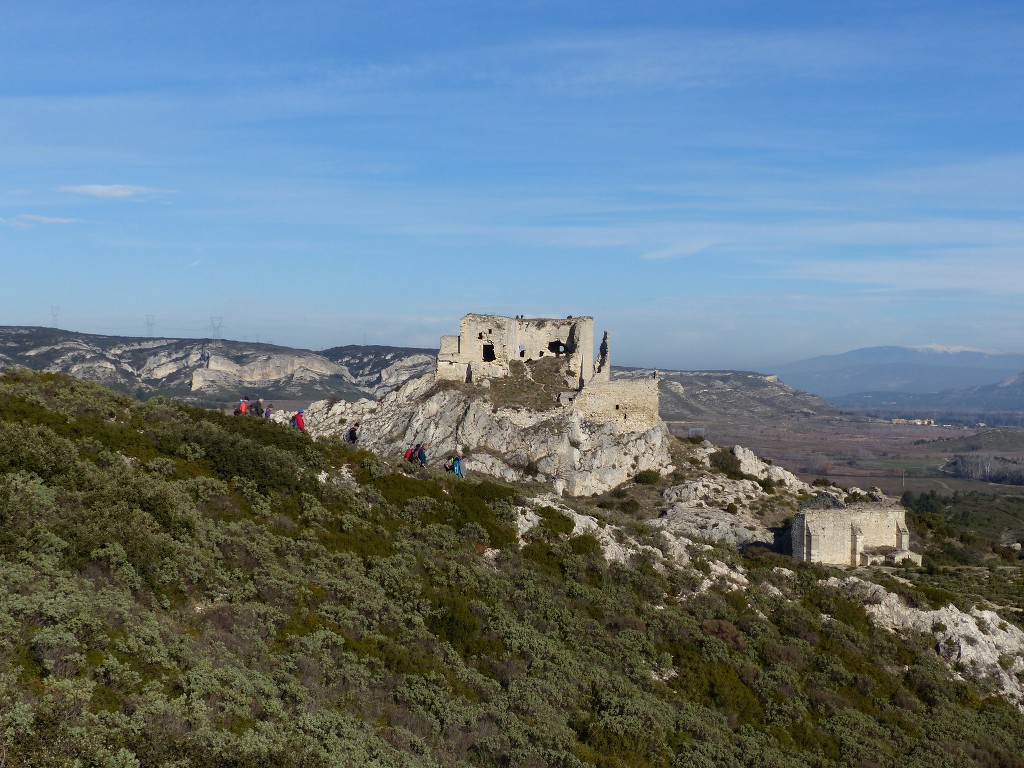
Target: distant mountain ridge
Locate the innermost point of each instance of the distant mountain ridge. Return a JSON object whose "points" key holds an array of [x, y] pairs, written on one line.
{"points": [[912, 370], [217, 372], [212, 371], [1007, 396]]}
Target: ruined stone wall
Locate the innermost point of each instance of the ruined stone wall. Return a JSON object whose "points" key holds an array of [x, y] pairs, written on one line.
{"points": [[800, 541], [449, 345], [603, 364], [630, 403], [488, 343], [486, 338], [450, 365]]}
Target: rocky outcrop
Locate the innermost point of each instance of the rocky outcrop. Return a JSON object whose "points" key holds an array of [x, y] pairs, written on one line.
{"points": [[977, 643], [720, 508], [714, 508], [751, 465], [577, 455]]}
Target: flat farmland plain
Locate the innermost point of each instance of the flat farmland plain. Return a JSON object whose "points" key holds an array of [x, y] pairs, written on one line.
{"points": [[852, 451]]}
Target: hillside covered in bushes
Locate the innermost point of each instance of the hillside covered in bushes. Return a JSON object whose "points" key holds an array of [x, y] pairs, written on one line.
{"points": [[183, 588]]}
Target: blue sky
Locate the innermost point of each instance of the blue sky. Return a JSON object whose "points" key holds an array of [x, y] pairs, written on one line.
{"points": [[721, 184]]}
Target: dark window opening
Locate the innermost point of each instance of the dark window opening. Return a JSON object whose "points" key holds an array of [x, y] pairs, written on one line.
{"points": [[616, 407], [480, 335], [557, 347], [489, 353], [522, 350]]}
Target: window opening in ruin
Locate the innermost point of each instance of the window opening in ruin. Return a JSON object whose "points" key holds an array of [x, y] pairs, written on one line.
{"points": [[480, 335], [616, 407], [522, 350], [489, 353], [557, 347]]}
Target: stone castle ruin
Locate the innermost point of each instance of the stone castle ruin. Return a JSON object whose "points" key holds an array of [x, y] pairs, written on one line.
{"points": [[876, 535], [489, 345]]}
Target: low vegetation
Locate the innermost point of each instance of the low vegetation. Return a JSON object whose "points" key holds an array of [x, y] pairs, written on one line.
{"points": [[184, 588], [533, 385]]}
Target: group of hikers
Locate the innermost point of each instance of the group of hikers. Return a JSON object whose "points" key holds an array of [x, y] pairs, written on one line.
{"points": [[418, 455], [246, 408], [256, 408], [415, 455]]}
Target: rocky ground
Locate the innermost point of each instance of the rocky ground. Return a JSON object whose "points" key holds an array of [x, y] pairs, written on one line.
{"points": [[574, 455]]}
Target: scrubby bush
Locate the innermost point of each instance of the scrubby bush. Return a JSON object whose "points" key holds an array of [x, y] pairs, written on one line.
{"points": [[177, 588], [647, 477]]}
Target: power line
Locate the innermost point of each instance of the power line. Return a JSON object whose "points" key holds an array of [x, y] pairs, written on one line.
{"points": [[216, 324]]}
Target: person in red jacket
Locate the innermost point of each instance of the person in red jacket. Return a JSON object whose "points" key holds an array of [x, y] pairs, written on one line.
{"points": [[300, 420]]}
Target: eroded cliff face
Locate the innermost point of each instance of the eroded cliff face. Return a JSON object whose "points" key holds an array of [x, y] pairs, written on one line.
{"points": [[211, 370], [577, 455]]}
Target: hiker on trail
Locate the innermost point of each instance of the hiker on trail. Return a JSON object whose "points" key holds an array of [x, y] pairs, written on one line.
{"points": [[243, 407], [454, 464], [421, 455], [352, 434], [269, 411], [299, 420], [412, 453], [257, 408]]}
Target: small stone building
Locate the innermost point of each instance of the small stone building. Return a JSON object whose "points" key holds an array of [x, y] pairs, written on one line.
{"points": [[869, 534]]}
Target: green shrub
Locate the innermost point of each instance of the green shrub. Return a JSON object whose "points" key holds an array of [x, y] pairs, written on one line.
{"points": [[630, 506], [726, 462], [647, 477]]}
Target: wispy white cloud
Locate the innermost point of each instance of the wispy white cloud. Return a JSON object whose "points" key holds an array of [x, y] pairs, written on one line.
{"points": [[110, 191], [35, 219], [680, 250], [26, 220]]}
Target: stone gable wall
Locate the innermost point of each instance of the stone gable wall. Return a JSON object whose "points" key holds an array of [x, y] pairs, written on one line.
{"points": [[631, 403]]}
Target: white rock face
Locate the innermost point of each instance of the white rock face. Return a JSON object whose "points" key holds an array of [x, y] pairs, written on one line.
{"points": [[980, 642], [616, 545], [267, 368], [578, 456], [716, 507], [704, 522], [750, 464]]}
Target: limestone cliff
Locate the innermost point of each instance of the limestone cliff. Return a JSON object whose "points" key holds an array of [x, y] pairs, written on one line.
{"points": [[212, 371], [578, 455]]}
